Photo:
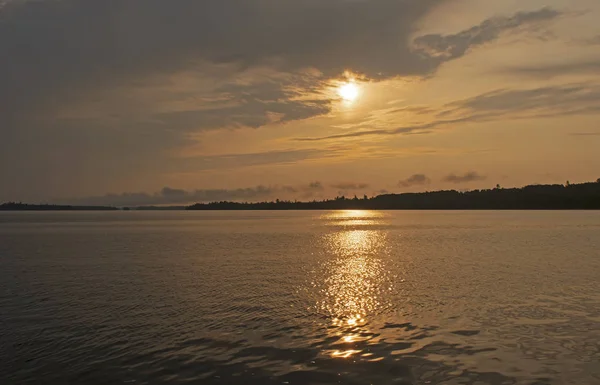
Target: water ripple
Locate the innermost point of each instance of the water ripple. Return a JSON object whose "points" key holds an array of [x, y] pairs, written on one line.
{"points": [[300, 298]]}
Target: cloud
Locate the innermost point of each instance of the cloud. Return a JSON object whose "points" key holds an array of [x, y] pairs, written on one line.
{"points": [[404, 130], [415, 180], [557, 69], [537, 102], [542, 102], [318, 186], [470, 176], [448, 47], [195, 102], [250, 111], [60, 50], [594, 40], [111, 89], [350, 186], [173, 193], [241, 160], [168, 196], [89, 46], [171, 196], [585, 134]]}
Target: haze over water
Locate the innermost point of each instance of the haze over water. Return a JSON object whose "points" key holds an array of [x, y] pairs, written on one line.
{"points": [[349, 297]]}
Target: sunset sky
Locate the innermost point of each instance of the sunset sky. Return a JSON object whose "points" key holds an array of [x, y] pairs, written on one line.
{"points": [[135, 102]]}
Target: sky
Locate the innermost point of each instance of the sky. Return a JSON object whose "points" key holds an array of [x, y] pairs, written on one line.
{"points": [[155, 102]]}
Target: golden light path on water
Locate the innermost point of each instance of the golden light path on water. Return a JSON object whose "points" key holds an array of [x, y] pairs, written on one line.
{"points": [[355, 276]]}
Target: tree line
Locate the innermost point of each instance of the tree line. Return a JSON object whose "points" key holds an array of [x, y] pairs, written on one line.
{"points": [[583, 196], [570, 196]]}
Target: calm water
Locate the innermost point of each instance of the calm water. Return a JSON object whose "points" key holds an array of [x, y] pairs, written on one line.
{"points": [[351, 297]]}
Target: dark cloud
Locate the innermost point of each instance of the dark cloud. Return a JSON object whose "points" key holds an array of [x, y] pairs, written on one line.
{"points": [[252, 111], [448, 47], [415, 180], [60, 50], [316, 186], [89, 88], [88, 92], [470, 176], [350, 186]]}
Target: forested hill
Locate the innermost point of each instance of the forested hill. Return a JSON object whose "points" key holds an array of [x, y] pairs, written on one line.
{"points": [[584, 196]]}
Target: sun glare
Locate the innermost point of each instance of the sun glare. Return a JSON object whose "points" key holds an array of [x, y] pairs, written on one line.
{"points": [[349, 91]]}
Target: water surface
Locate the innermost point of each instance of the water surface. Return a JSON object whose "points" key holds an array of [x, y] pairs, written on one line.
{"points": [[349, 297]]}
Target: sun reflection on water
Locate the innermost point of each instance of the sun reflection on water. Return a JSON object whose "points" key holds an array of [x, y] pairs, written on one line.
{"points": [[344, 353], [353, 218], [355, 279], [353, 283]]}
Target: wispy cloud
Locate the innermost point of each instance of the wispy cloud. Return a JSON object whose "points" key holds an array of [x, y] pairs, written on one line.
{"points": [[242, 160], [537, 102], [542, 102], [551, 70], [594, 40], [585, 134]]}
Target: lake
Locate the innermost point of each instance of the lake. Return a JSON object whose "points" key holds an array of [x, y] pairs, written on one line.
{"points": [[313, 297]]}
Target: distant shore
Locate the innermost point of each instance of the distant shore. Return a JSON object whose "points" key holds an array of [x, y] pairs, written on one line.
{"points": [[582, 196], [11, 206]]}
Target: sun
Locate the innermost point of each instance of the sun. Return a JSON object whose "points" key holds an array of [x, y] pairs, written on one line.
{"points": [[349, 91]]}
